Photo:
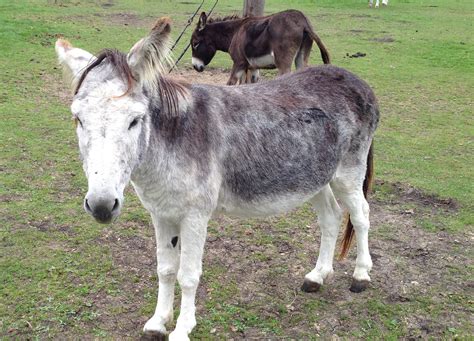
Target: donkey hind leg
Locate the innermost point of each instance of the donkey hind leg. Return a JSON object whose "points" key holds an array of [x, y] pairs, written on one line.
{"points": [[348, 188], [329, 219], [302, 57], [167, 251], [299, 59], [283, 59], [193, 237]]}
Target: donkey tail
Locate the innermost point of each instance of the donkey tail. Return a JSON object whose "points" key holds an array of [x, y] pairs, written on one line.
{"points": [[366, 188], [319, 42]]}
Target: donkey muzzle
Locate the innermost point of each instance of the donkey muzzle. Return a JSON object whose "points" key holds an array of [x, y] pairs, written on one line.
{"points": [[198, 64], [104, 209], [199, 68]]}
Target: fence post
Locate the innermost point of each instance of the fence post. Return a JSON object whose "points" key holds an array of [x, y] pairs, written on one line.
{"points": [[253, 8]]}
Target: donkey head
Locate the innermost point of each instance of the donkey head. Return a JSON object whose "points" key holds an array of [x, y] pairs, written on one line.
{"points": [[110, 110], [202, 44]]}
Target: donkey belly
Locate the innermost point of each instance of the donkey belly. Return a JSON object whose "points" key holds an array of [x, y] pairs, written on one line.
{"points": [[266, 61], [232, 205]]}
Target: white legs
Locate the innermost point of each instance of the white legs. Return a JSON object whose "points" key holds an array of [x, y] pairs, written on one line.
{"points": [[167, 251], [384, 2], [179, 256], [359, 214], [329, 218], [348, 188], [193, 237]]}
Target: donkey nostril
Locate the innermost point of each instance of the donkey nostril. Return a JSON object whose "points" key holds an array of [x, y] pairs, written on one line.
{"points": [[116, 205]]}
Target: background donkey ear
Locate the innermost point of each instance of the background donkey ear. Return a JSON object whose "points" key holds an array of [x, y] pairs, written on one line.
{"points": [[202, 21], [152, 54], [73, 60]]}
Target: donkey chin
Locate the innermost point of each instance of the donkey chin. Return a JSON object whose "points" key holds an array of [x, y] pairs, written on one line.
{"points": [[105, 206]]}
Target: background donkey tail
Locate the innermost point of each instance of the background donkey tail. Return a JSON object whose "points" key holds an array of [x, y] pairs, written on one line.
{"points": [[366, 187], [319, 42]]}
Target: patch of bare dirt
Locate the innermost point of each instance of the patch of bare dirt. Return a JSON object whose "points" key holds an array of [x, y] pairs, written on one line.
{"points": [[406, 193], [135, 259], [57, 86], [119, 19], [126, 19], [384, 39], [208, 76]]}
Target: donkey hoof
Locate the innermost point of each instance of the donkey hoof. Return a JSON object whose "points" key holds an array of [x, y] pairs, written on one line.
{"points": [[153, 336], [310, 286], [359, 286]]}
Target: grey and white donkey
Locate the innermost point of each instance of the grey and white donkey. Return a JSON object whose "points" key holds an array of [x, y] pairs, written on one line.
{"points": [[192, 151]]}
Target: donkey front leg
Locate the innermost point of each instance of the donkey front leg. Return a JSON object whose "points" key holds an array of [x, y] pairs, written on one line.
{"points": [[329, 219], [255, 75], [167, 251], [193, 237], [236, 74]]}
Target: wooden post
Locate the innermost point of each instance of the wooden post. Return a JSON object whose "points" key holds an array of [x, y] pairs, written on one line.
{"points": [[253, 8]]}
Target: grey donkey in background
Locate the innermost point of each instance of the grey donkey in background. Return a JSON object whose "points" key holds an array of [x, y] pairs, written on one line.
{"points": [[193, 151]]}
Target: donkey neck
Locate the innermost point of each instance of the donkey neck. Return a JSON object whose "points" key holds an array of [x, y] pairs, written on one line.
{"points": [[223, 32]]}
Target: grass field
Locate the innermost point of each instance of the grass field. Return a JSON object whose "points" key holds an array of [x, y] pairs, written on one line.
{"points": [[64, 276]]}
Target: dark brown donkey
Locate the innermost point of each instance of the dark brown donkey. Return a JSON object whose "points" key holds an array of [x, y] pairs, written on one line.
{"points": [[256, 43]]}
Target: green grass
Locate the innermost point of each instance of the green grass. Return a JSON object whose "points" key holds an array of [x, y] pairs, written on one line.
{"points": [[53, 259]]}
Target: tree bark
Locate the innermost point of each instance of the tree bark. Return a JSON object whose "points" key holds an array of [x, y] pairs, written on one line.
{"points": [[253, 8]]}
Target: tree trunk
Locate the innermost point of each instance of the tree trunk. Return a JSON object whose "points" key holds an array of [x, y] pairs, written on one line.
{"points": [[253, 8]]}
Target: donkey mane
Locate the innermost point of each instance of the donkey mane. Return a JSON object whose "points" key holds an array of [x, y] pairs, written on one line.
{"points": [[226, 18], [117, 60], [169, 91]]}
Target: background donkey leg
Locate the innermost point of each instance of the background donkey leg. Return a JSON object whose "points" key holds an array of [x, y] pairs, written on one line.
{"points": [[284, 58], [329, 219], [167, 251], [235, 75], [193, 237], [348, 188], [254, 75], [302, 57]]}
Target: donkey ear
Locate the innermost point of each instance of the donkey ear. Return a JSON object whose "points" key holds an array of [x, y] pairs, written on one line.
{"points": [[72, 59], [152, 53], [202, 21]]}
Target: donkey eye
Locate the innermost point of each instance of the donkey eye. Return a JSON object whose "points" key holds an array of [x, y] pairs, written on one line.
{"points": [[133, 123], [196, 45]]}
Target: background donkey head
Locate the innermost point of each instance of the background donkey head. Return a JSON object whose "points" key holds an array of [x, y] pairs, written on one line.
{"points": [[203, 47], [109, 108]]}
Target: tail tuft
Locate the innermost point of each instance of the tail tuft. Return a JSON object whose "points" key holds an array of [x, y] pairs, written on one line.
{"points": [[348, 237]]}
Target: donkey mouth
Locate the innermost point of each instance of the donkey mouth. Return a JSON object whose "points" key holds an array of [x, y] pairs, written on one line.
{"points": [[104, 219]]}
